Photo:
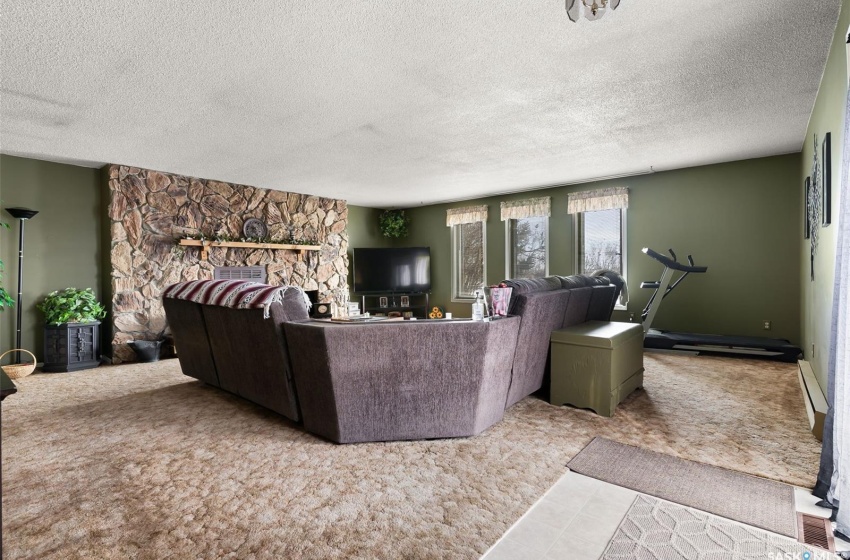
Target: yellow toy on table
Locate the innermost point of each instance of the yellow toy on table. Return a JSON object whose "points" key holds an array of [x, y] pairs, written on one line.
{"points": [[436, 313]]}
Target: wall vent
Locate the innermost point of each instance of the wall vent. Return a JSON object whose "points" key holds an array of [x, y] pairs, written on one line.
{"points": [[254, 273]]}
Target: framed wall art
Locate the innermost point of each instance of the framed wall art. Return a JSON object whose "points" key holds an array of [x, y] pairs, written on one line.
{"points": [[807, 208], [826, 180], [815, 191]]}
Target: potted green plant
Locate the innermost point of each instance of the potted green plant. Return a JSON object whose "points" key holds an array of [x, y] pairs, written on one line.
{"points": [[71, 330], [393, 223]]}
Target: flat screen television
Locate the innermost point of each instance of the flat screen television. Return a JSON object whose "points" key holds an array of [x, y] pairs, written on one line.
{"points": [[402, 270]]}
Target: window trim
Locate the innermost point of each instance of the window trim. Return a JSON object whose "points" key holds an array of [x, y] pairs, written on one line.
{"points": [[509, 245], [624, 253], [456, 298]]}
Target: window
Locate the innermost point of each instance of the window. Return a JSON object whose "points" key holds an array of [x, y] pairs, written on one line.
{"points": [[600, 239], [469, 250], [468, 242], [528, 247], [600, 231], [527, 236]]}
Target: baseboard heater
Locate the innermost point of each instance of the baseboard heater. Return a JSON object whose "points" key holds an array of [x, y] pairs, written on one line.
{"points": [[813, 397]]}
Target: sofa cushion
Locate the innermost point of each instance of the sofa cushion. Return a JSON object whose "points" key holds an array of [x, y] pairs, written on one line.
{"points": [[186, 321], [252, 356], [530, 285], [601, 303], [542, 313], [617, 280], [576, 310], [582, 280]]}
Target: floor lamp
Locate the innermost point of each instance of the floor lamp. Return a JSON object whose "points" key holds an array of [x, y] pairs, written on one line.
{"points": [[22, 214]]}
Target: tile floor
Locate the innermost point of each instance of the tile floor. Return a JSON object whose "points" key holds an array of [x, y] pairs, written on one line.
{"points": [[577, 517]]}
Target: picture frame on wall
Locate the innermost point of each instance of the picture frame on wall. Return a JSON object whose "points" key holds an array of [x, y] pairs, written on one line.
{"points": [[807, 206], [826, 180], [384, 302], [405, 301]]}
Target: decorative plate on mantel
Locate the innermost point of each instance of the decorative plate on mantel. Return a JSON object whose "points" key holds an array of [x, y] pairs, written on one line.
{"points": [[254, 228]]}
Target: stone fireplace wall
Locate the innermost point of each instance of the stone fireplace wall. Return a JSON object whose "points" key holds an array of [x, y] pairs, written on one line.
{"points": [[150, 210]]}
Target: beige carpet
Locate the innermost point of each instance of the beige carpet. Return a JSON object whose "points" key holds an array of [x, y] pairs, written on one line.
{"points": [[140, 461]]}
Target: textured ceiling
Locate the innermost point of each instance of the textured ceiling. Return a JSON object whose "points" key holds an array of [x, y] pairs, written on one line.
{"points": [[408, 102]]}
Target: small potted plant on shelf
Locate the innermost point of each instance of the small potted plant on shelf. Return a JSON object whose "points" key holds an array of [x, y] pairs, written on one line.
{"points": [[71, 330]]}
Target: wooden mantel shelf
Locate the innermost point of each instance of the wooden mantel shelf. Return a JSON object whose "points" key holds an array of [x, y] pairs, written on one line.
{"points": [[207, 243]]}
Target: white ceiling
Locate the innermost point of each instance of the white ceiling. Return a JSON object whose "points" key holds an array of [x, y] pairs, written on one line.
{"points": [[395, 104]]}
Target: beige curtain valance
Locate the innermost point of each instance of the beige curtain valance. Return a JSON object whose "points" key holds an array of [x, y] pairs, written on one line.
{"points": [[466, 215], [528, 208], [599, 199]]}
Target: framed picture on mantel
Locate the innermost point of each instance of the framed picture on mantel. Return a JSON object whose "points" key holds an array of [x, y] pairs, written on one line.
{"points": [[826, 180]]}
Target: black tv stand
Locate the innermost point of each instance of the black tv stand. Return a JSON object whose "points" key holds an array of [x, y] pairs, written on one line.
{"points": [[418, 303]]}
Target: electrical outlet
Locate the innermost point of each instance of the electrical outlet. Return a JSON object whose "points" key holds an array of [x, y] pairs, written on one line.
{"points": [[767, 325], [631, 317]]}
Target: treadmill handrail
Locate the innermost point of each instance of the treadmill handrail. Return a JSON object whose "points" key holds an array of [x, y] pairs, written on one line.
{"points": [[670, 263]]}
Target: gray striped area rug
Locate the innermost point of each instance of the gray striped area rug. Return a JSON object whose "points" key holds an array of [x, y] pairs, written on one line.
{"points": [[749, 499]]}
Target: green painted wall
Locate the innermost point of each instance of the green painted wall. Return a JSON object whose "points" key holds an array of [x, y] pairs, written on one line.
{"points": [[62, 243], [741, 219], [363, 228], [363, 232], [827, 116]]}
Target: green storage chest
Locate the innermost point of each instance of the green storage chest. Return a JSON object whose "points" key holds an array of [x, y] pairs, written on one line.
{"points": [[596, 364]]}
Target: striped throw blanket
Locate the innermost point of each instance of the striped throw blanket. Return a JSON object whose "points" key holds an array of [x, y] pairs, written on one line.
{"points": [[238, 294]]}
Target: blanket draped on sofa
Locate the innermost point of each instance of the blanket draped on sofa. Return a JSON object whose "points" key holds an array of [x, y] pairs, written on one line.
{"points": [[238, 294]]}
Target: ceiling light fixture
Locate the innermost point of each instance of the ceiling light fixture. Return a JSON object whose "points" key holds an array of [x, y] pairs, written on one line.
{"points": [[593, 9]]}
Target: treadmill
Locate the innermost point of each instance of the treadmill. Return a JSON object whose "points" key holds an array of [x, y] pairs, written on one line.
{"points": [[750, 346]]}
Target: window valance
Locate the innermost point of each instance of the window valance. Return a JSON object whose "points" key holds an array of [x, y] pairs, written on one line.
{"points": [[528, 208], [598, 199], [466, 215]]}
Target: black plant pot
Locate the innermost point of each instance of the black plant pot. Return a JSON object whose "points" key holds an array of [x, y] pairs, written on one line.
{"points": [[146, 350]]}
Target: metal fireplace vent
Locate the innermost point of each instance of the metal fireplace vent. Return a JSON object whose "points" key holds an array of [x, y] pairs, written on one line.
{"points": [[255, 273]]}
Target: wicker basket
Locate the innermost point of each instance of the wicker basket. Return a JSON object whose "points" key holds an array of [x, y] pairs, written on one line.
{"points": [[16, 371]]}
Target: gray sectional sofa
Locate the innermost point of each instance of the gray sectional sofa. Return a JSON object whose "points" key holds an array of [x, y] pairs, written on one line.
{"points": [[389, 380]]}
